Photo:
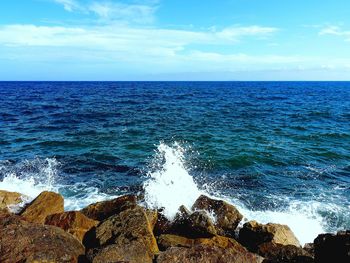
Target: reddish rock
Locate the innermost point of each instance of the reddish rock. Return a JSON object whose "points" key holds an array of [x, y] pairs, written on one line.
{"points": [[227, 216], [22, 241], [47, 203], [102, 210], [333, 247], [277, 253], [207, 254], [73, 222], [254, 234]]}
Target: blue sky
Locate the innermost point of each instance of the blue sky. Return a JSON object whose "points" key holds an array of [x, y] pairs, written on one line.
{"points": [[174, 40]]}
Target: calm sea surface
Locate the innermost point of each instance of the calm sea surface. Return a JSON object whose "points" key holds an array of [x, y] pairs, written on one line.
{"points": [[280, 147]]}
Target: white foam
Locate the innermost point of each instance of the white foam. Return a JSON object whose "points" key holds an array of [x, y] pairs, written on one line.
{"points": [[170, 186]]}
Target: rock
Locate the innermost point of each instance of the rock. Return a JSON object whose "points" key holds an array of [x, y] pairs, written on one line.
{"points": [[196, 225], [8, 199], [227, 216], [333, 247], [207, 254], [73, 222], [22, 241], [309, 247], [162, 226], [102, 210], [277, 253], [126, 236], [254, 234], [152, 216], [166, 241], [47, 203]]}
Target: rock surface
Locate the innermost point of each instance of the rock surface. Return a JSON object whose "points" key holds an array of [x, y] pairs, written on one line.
{"points": [[47, 203], [102, 210], [333, 247], [8, 199], [126, 236], [73, 222], [22, 241], [227, 216], [207, 254], [277, 253], [254, 234]]}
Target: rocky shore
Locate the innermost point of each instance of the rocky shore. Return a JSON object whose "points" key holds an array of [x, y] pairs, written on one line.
{"points": [[122, 230]]}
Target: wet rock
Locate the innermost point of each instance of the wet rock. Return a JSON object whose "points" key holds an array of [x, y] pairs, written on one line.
{"points": [[333, 247], [102, 210], [8, 199], [207, 254], [47, 203], [163, 225], [254, 234], [227, 216], [166, 241], [22, 241], [73, 222], [152, 216], [196, 225], [277, 253], [126, 236]]}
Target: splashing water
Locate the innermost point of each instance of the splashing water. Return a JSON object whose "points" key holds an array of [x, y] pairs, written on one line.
{"points": [[170, 186]]}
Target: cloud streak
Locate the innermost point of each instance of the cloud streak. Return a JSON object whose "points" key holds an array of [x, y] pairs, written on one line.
{"points": [[336, 31]]}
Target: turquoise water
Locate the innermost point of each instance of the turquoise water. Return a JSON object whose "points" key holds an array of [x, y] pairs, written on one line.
{"points": [[278, 147]]}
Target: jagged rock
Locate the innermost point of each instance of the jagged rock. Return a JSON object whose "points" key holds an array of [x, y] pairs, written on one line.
{"points": [[152, 216], [208, 254], [167, 240], [73, 222], [9, 199], [333, 247], [309, 247], [102, 210], [163, 225], [126, 236], [47, 203], [254, 234], [277, 253], [22, 241], [227, 216], [196, 225]]}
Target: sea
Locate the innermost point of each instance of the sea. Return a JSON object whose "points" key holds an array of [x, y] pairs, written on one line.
{"points": [[278, 151]]}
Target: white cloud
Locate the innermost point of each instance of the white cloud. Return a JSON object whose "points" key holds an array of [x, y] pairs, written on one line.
{"points": [[336, 31], [69, 5]]}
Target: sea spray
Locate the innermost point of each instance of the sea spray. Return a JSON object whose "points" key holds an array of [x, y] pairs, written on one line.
{"points": [[170, 185]]}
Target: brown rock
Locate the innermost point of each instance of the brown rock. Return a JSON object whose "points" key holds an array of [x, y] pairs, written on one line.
{"points": [[47, 203], [73, 222], [166, 241], [163, 225], [277, 253], [254, 234], [126, 236], [8, 199], [102, 210], [22, 241], [152, 216], [227, 216], [333, 247], [207, 254]]}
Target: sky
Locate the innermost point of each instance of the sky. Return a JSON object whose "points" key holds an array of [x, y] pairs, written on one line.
{"points": [[174, 40]]}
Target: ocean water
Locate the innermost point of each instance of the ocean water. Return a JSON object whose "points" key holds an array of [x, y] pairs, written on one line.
{"points": [[279, 151]]}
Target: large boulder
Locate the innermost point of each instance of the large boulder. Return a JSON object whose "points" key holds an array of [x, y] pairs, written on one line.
{"points": [[8, 199], [227, 216], [277, 253], [47, 203], [22, 241], [254, 234], [207, 254], [332, 247], [126, 236], [102, 210], [73, 222]]}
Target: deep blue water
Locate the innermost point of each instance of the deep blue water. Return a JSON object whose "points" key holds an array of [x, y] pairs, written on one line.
{"points": [[265, 144]]}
